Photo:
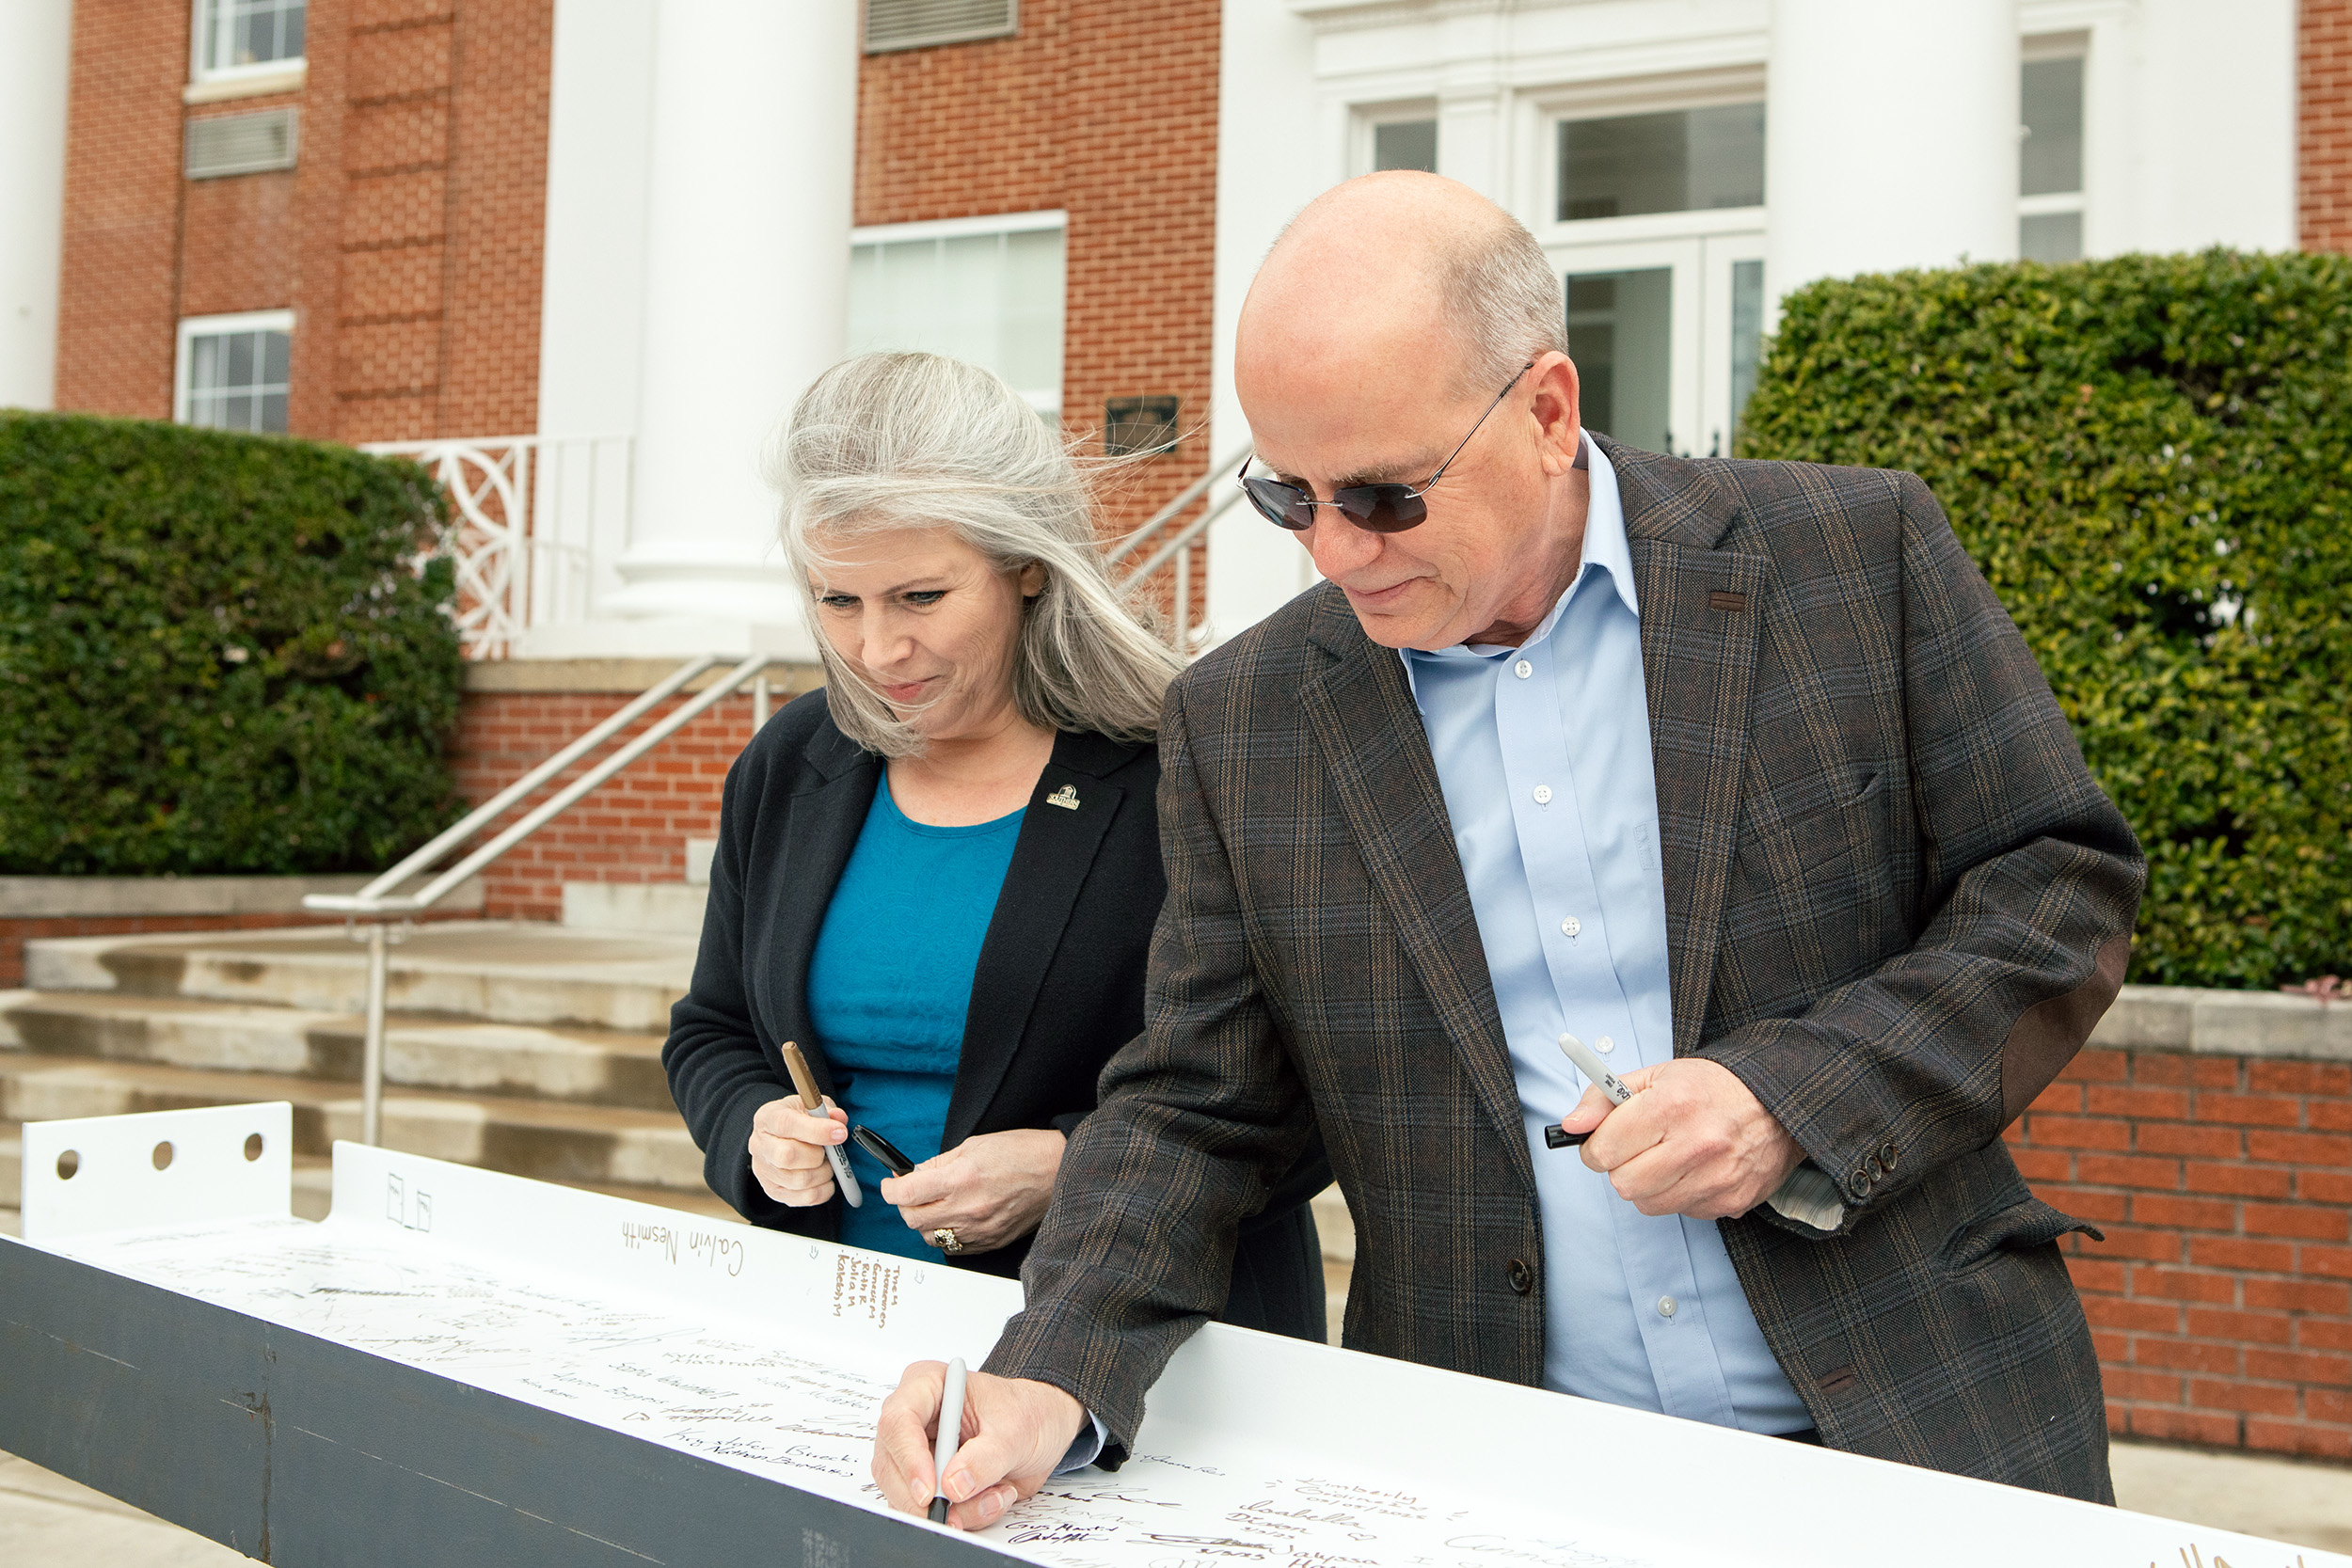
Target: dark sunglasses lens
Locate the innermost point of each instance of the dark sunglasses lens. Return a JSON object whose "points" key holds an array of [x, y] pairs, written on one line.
{"points": [[1381, 508], [1284, 505]]}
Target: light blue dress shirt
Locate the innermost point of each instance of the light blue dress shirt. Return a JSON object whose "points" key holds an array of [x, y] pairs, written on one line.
{"points": [[1543, 753]]}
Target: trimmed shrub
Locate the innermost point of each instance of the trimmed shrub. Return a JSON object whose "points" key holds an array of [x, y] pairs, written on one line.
{"points": [[215, 654], [2150, 459]]}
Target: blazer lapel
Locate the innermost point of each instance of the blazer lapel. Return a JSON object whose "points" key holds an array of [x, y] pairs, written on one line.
{"points": [[1050, 863], [1701, 610], [820, 832], [1363, 714]]}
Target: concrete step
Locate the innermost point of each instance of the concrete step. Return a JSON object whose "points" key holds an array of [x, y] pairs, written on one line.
{"points": [[537, 1061], [663, 909], [553, 1142], [503, 972]]}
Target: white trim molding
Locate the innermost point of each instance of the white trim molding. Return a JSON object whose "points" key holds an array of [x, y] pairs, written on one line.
{"points": [[958, 228], [252, 81]]}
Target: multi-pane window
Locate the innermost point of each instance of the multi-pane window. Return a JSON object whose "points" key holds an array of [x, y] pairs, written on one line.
{"points": [[2050, 160], [233, 35], [1673, 161], [984, 290], [1405, 144], [234, 371]]}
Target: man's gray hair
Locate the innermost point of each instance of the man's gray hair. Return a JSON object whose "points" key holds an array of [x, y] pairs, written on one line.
{"points": [[921, 441], [1506, 303]]}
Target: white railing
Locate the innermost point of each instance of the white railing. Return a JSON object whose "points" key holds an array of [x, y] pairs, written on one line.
{"points": [[537, 518], [1169, 536], [540, 518]]}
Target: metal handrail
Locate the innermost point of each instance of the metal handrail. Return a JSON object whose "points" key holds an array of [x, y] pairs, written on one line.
{"points": [[1193, 492], [1190, 535], [376, 902]]}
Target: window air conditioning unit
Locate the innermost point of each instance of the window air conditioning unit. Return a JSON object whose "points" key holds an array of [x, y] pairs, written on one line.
{"points": [[917, 24], [241, 144]]}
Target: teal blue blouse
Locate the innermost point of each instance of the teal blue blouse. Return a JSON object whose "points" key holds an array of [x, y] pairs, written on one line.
{"points": [[889, 983]]}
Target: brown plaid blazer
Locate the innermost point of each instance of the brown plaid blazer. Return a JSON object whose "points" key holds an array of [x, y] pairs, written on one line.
{"points": [[1896, 904]]}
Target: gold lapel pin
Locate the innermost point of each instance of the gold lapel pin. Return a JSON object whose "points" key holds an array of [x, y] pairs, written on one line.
{"points": [[1066, 797]]}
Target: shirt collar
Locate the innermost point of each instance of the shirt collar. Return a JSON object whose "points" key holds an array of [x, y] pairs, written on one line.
{"points": [[1606, 547]]}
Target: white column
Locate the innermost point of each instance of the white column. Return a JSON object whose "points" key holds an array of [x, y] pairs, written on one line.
{"points": [[36, 59], [746, 300], [592, 310], [2224, 174], [1269, 123], [1890, 136]]}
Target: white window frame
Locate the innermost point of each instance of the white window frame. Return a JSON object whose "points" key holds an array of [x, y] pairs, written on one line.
{"points": [[2060, 46], [192, 327], [1365, 119], [207, 82], [973, 228]]}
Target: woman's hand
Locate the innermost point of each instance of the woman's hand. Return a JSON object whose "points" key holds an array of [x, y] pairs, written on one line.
{"points": [[989, 1190], [788, 1148]]}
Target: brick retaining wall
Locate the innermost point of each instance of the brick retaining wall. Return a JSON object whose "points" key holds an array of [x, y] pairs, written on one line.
{"points": [[2218, 1162]]}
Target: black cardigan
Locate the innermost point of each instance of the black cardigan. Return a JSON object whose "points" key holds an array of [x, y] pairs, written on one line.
{"points": [[1058, 987]]}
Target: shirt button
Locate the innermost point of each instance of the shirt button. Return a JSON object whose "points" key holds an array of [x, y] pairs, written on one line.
{"points": [[1522, 669], [1666, 1305], [1570, 926], [1604, 1045], [1543, 795], [1521, 1277]]}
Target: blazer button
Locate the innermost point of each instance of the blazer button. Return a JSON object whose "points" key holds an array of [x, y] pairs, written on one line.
{"points": [[1522, 1278], [1859, 1183], [1886, 1155]]}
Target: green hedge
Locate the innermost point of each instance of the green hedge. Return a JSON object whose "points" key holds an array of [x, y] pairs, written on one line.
{"points": [[2150, 458], [214, 655]]}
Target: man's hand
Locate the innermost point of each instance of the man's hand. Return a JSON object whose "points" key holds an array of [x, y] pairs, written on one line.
{"points": [[1693, 1140], [989, 1190], [1014, 1432], [788, 1149]]}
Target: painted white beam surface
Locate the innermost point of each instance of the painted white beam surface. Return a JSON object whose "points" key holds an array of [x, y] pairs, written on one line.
{"points": [[1891, 136], [36, 45]]}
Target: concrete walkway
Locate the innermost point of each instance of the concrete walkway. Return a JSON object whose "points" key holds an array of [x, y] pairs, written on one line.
{"points": [[49, 1520]]}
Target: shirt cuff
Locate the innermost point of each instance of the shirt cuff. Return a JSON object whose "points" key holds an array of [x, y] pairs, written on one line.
{"points": [[1086, 1447]]}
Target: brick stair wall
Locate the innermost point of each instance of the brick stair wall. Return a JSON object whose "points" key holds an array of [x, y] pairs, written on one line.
{"points": [[2222, 1298], [633, 830]]}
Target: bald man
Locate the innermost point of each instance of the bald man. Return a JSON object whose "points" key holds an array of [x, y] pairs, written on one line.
{"points": [[1735, 771]]}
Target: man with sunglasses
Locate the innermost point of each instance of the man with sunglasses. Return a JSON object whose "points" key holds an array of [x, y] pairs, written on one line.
{"points": [[1735, 771]]}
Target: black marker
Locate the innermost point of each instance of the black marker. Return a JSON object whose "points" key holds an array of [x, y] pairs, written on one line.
{"points": [[883, 1150]]}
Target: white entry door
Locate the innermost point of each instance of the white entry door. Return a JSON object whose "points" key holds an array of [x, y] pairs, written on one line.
{"points": [[1665, 334]]}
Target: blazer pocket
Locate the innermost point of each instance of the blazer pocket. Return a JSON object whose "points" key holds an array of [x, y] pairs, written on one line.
{"points": [[2029, 1223], [1826, 833]]}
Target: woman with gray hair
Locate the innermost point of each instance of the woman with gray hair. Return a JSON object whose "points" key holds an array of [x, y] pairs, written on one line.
{"points": [[938, 877]]}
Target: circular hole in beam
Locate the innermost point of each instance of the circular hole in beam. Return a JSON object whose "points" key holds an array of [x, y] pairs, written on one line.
{"points": [[68, 1163], [253, 1146], [163, 1155]]}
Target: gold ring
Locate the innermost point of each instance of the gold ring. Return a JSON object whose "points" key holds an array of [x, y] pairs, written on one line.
{"points": [[944, 1240]]}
